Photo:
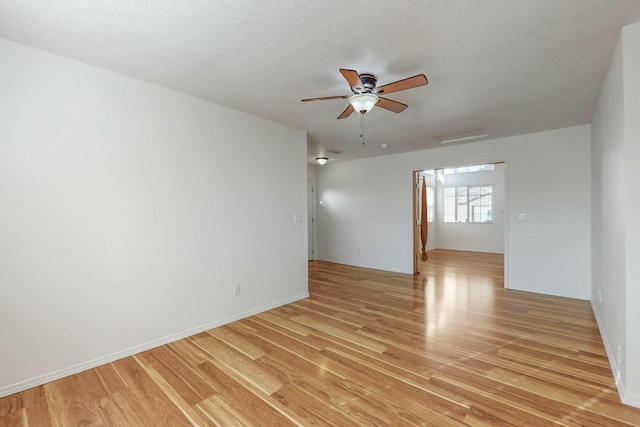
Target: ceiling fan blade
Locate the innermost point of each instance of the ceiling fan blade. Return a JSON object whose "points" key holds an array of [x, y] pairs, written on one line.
{"points": [[352, 77], [388, 104], [324, 98], [408, 83], [347, 112]]}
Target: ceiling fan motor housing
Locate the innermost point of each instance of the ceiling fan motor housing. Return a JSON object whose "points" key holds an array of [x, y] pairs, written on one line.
{"points": [[369, 81]]}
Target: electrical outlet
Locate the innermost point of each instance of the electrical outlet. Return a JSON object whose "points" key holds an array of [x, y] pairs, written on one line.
{"points": [[521, 216], [236, 290]]}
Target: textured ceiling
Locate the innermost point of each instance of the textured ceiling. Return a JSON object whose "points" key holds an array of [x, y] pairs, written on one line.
{"points": [[505, 66]]}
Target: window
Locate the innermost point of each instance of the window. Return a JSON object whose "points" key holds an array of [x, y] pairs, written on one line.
{"points": [[430, 203], [468, 204], [465, 169]]}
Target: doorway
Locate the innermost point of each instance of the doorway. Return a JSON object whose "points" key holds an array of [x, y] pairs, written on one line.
{"points": [[466, 208]]}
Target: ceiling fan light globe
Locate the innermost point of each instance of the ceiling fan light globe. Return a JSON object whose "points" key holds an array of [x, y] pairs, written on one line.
{"points": [[363, 102]]}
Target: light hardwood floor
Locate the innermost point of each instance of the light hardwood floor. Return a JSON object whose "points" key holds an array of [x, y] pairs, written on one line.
{"points": [[448, 347]]}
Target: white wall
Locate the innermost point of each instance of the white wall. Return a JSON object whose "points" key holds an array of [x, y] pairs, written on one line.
{"points": [[616, 209], [608, 224], [487, 237], [129, 211], [631, 46], [366, 219]]}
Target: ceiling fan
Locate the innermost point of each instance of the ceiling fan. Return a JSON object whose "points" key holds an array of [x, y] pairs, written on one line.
{"points": [[366, 95]]}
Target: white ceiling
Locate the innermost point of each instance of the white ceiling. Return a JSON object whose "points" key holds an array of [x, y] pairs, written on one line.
{"points": [[505, 66]]}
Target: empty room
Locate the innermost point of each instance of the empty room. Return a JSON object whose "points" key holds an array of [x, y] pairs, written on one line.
{"points": [[363, 213]]}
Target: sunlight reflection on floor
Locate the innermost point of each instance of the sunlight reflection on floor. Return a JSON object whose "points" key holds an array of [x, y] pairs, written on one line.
{"points": [[451, 293]]}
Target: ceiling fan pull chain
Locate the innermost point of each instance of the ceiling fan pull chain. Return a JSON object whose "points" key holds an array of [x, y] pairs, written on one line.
{"points": [[362, 128]]}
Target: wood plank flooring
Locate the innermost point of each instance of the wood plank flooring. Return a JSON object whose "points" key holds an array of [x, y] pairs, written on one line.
{"points": [[448, 347]]}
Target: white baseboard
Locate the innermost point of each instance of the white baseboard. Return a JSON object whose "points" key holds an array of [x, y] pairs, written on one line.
{"points": [[90, 364], [631, 401], [610, 353]]}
